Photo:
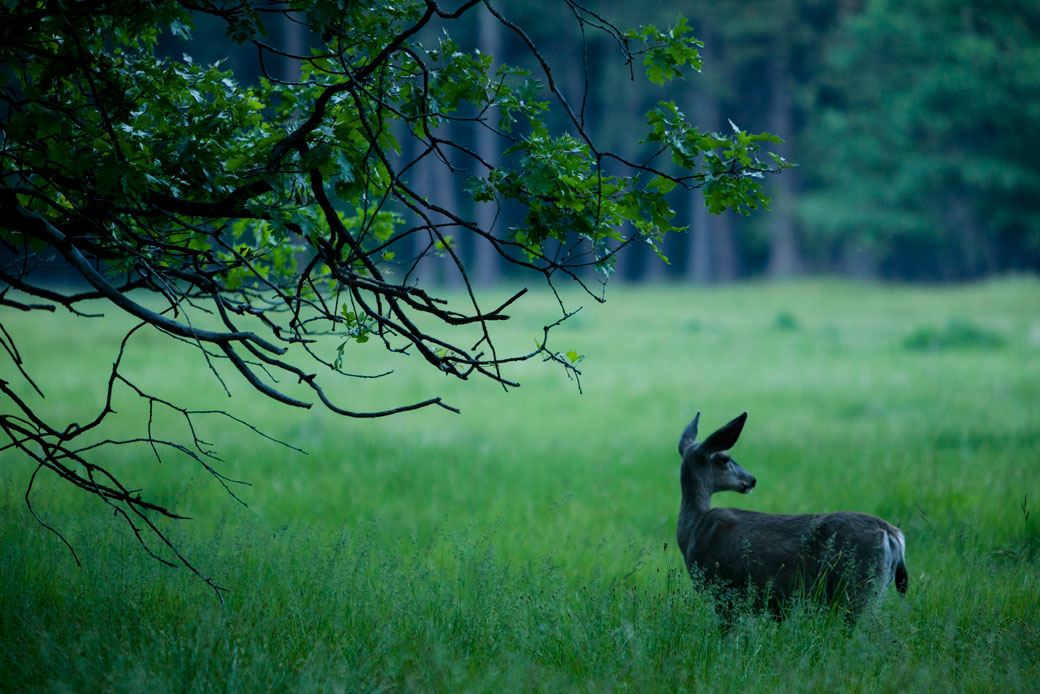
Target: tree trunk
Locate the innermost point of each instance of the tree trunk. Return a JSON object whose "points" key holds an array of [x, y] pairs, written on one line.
{"points": [[711, 252], [430, 181], [625, 266], [724, 247], [444, 194], [294, 42], [698, 255], [700, 260], [784, 259], [487, 268]]}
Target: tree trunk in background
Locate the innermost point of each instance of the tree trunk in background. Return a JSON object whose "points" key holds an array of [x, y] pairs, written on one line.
{"points": [[724, 247], [965, 250], [784, 259], [431, 183], [698, 250], [445, 195], [711, 251], [655, 269], [625, 267], [704, 110], [294, 42], [487, 267], [622, 261], [978, 257], [418, 179]]}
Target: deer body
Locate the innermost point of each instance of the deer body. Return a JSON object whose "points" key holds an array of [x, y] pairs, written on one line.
{"points": [[843, 558]]}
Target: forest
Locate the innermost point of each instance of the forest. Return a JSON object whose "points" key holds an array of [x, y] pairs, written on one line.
{"points": [[273, 272], [914, 128]]}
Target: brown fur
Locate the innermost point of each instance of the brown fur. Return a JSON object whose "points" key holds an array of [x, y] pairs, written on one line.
{"points": [[841, 558]]}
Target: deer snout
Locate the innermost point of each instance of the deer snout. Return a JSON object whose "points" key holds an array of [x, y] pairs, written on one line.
{"points": [[749, 484]]}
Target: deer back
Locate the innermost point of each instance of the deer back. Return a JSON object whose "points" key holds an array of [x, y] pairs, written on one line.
{"points": [[840, 557]]}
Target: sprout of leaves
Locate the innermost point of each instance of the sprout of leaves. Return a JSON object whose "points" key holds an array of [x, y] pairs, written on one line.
{"points": [[284, 215]]}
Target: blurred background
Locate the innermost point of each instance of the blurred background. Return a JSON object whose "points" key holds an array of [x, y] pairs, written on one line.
{"points": [[915, 127], [531, 540]]}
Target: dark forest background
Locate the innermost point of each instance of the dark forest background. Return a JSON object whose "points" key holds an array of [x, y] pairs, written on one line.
{"points": [[915, 127]]}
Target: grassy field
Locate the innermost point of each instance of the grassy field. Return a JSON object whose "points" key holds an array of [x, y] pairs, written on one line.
{"points": [[528, 544]]}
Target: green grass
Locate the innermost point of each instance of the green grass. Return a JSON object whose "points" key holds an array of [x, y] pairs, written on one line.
{"points": [[528, 544]]}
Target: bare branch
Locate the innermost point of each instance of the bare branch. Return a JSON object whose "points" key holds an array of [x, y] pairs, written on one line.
{"points": [[265, 225]]}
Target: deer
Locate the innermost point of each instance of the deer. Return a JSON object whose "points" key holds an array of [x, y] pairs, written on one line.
{"points": [[844, 559]]}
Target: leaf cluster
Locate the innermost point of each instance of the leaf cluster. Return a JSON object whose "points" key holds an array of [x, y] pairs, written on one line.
{"points": [[283, 212]]}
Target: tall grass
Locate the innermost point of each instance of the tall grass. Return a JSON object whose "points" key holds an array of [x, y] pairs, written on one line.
{"points": [[528, 544]]}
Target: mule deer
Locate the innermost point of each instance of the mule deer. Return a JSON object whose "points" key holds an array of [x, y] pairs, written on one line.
{"points": [[844, 558]]}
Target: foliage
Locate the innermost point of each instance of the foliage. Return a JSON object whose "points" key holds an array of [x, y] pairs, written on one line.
{"points": [[926, 123], [956, 334], [531, 546], [914, 125], [249, 220]]}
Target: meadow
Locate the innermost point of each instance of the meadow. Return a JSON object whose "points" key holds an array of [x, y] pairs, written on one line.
{"points": [[528, 543]]}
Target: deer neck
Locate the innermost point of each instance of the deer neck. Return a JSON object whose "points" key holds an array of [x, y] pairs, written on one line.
{"points": [[696, 500]]}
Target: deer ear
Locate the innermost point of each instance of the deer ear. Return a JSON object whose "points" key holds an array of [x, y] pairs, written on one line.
{"points": [[689, 435], [726, 437]]}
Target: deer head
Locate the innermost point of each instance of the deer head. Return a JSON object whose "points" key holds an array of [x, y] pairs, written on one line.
{"points": [[708, 464]]}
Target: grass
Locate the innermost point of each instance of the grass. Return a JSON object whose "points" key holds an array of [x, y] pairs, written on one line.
{"points": [[528, 544]]}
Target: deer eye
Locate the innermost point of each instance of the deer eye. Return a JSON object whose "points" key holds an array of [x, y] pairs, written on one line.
{"points": [[721, 459]]}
